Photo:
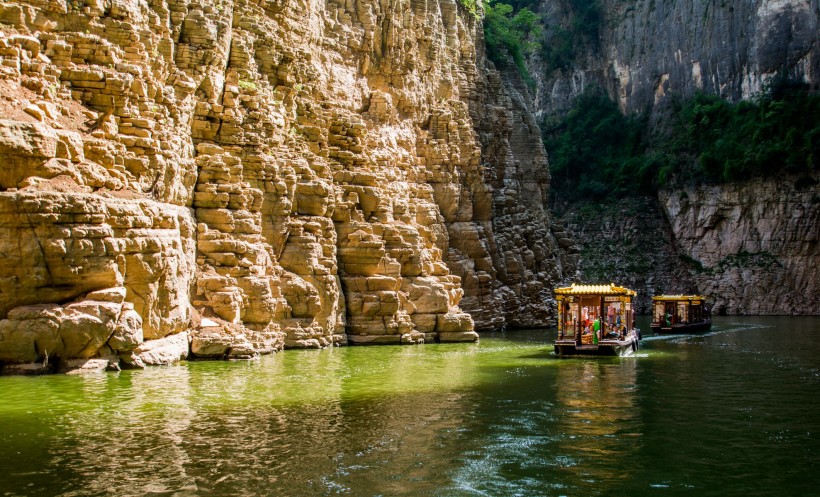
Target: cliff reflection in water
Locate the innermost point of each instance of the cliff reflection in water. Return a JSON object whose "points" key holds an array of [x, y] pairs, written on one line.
{"points": [[306, 422], [125, 435]]}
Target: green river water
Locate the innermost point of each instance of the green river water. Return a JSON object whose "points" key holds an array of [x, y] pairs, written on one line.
{"points": [[732, 412]]}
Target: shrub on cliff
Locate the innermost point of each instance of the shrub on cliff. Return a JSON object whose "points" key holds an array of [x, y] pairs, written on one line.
{"points": [[509, 33], [566, 39]]}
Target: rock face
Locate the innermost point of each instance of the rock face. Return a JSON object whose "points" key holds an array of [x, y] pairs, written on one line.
{"points": [[755, 246], [630, 243], [503, 242], [224, 179], [752, 248], [643, 51]]}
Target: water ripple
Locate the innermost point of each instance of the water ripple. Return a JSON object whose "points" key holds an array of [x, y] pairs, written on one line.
{"points": [[726, 413]]}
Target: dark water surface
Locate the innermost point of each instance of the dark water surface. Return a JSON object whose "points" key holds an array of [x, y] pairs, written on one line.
{"points": [[732, 412]]}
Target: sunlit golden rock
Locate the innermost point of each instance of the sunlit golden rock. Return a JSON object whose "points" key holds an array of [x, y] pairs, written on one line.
{"points": [[301, 175]]}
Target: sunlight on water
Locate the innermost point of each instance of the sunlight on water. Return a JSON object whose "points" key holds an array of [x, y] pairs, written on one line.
{"points": [[729, 412]]}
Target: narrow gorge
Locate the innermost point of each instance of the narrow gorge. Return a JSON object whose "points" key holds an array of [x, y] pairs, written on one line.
{"points": [[751, 244]]}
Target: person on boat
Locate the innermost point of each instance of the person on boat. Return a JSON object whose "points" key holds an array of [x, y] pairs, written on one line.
{"points": [[596, 330]]}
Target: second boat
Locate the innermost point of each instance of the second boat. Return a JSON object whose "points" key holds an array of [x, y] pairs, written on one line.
{"points": [[680, 314]]}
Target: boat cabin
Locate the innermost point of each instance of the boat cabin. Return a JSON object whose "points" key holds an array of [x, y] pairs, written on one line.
{"points": [[680, 314], [595, 320]]}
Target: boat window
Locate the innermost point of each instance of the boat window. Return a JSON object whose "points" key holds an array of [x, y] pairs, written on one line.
{"points": [[669, 314], [590, 309], [696, 312], [682, 315], [613, 316], [657, 316], [568, 318], [572, 318]]}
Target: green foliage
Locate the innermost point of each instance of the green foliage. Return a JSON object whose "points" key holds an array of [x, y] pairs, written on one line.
{"points": [[247, 85], [597, 152], [470, 6], [513, 29], [559, 50], [508, 33], [776, 133]]}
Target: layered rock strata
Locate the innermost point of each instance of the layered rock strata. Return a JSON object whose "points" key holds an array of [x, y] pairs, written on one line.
{"points": [[504, 243], [229, 178]]}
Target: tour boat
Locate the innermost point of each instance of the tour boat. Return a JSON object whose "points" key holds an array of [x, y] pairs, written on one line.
{"points": [[596, 320], [680, 314]]}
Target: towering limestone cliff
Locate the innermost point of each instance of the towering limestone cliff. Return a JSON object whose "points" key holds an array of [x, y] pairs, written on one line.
{"points": [[231, 177], [644, 51], [751, 245]]}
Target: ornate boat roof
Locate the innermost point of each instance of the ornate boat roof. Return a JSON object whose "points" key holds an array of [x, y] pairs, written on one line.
{"points": [[671, 298], [610, 289]]}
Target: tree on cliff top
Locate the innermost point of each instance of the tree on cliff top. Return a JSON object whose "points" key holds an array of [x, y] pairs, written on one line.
{"points": [[597, 152]]}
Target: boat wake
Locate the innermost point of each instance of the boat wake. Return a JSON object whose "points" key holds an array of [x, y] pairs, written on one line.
{"points": [[716, 330]]}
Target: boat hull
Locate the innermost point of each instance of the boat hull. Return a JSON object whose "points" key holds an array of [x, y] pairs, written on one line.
{"points": [[682, 328], [625, 347]]}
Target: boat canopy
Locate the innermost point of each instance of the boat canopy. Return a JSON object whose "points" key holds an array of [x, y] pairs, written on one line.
{"points": [[610, 289], [677, 298]]}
